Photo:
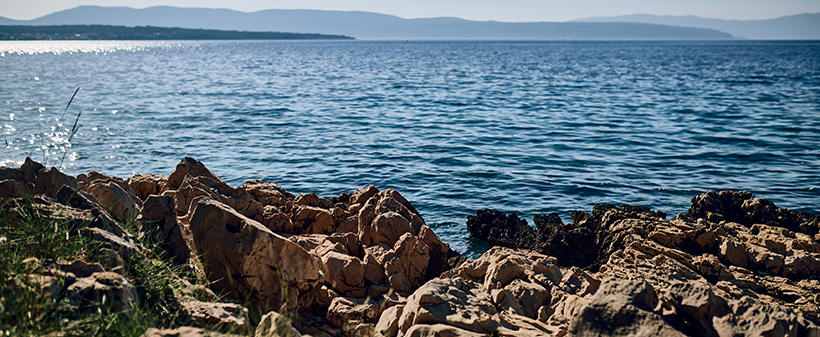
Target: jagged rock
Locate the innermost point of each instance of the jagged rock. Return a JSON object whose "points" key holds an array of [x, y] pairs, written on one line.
{"points": [[223, 316], [244, 258], [269, 194], [498, 229], [80, 200], [113, 197], [313, 220], [621, 308], [344, 309], [158, 218], [28, 171], [124, 246], [144, 185], [385, 217], [275, 325], [343, 272], [185, 331], [188, 167], [49, 181], [107, 289], [313, 200], [588, 240]]}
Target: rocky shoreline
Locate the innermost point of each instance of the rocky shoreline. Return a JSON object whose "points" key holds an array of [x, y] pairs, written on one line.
{"points": [[266, 262]]}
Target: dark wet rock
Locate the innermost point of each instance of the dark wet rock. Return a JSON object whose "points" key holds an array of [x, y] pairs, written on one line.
{"points": [[498, 229], [584, 242]]}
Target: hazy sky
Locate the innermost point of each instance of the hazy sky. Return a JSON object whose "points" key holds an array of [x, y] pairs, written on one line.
{"points": [[508, 10]]}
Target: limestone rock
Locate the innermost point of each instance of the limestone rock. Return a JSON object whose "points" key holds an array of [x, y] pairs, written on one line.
{"points": [[114, 198], [158, 217], [185, 331], [344, 309], [269, 194], [273, 324], [49, 181], [244, 258], [621, 308], [102, 289], [223, 316], [144, 185]]}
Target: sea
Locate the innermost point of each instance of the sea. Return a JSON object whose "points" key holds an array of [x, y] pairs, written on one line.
{"points": [[454, 126]]}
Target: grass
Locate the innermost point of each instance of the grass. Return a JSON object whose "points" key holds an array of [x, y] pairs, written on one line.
{"points": [[27, 231]]}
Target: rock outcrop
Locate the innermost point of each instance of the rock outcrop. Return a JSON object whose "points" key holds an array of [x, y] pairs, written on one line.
{"points": [[336, 258], [365, 263], [734, 265]]}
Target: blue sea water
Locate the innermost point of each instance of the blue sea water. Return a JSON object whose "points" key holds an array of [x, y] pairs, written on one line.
{"points": [[525, 127]]}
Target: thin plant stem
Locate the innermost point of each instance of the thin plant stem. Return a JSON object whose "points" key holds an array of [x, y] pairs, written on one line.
{"points": [[73, 131], [69, 104], [7, 147]]}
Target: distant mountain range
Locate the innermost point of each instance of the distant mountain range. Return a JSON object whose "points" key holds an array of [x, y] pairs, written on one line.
{"points": [[794, 27], [363, 25]]}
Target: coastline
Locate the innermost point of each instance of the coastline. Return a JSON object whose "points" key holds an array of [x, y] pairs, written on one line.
{"points": [[365, 263]]}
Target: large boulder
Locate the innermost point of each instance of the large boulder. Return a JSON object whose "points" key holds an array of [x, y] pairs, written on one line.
{"points": [[246, 260], [120, 201]]}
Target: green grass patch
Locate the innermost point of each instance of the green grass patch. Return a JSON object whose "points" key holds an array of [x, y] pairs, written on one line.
{"points": [[27, 231]]}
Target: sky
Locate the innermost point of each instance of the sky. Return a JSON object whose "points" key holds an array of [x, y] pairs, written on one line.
{"points": [[508, 10]]}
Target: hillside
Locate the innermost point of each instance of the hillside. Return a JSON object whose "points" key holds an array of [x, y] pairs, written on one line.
{"points": [[794, 27], [362, 25]]}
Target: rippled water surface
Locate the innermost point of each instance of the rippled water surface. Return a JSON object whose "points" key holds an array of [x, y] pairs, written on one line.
{"points": [[532, 127]]}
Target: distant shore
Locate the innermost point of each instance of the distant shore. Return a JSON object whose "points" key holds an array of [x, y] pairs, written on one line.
{"points": [[105, 32]]}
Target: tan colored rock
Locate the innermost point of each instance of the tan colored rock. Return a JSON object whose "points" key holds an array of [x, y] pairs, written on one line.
{"points": [[440, 330], [388, 324], [343, 272], [125, 246], [356, 328], [313, 220], [188, 167], [224, 316], [751, 318], [274, 324], [374, 271], [461, 304], [361, 195], [267, 193], [621, 308], [49, 181], [313, 200], [801, 264], [144, 185], [407, 268], [387, 216], [244, 258], [734, 252], [344, 309], [185, 331], [113, 198], [277, 221]]}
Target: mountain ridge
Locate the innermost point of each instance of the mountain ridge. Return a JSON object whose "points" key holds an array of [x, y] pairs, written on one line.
{"points": [[804, 26], [361, 25]]}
